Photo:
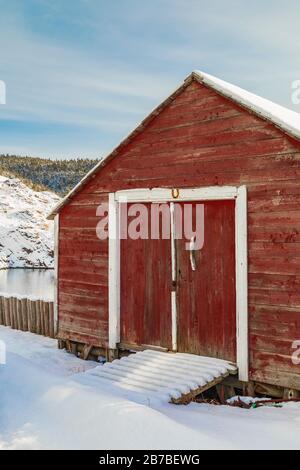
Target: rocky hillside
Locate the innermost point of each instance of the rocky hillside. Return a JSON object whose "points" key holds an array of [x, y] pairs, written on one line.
{"points": [[26, 237]]}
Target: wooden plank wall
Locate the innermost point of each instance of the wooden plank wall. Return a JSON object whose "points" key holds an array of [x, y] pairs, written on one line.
{"points": [[82, 274], [200, 139], [23, 314]]}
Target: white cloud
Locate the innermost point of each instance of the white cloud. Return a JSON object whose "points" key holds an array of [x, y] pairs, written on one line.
{"points": [[150, 49], [61, 84]]}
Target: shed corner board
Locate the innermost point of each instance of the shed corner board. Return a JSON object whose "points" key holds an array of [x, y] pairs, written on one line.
{"points": [[242, 283], [114, 273]]}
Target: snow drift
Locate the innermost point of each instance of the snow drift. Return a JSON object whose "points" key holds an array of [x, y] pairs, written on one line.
{"points": [[50, 401]]}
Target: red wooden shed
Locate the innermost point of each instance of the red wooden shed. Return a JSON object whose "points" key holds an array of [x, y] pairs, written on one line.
{"points": [[209, 144]]}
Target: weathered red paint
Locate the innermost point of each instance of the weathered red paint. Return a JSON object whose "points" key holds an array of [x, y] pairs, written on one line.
{"points": [[200, 139], [206, 297], [145, 291]]}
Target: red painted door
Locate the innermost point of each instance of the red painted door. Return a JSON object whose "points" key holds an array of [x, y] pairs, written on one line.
{"points": [[206, 310], [205, 292], [145, 289]]}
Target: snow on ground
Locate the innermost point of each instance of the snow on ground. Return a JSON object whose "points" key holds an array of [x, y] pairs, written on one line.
{"points": [[26, 237], [49, 402], [43, 352]]}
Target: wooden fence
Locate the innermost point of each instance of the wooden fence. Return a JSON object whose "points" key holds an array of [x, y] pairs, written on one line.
{"points": [[36, 316]]}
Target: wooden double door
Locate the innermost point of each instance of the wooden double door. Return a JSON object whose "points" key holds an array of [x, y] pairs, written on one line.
{"points": [[160, 275]]}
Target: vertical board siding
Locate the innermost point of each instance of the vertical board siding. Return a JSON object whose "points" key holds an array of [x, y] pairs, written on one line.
{"points": [[145, 291], [200, 139], [206, 296]]}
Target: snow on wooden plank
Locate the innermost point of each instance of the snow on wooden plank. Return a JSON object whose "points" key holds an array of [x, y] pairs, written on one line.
{"points": [[173, 377]]}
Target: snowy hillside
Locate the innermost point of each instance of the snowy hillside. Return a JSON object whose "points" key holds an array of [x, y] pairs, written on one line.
{"points": [[26, 237]]}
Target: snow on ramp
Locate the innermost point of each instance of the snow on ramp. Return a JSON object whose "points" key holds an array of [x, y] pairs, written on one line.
{"points": [[170, 377]]}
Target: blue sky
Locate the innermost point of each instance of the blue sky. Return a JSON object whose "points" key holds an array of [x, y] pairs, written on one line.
{"points": [[81, 74]]}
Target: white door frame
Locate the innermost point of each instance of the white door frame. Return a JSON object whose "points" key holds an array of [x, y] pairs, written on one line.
{"points": [[213, 193]]}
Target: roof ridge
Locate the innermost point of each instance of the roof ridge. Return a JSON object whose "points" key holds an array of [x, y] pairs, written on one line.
{"points": [[286, 119]]}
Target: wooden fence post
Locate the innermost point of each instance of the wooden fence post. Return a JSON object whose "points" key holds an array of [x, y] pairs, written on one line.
{"points": [[36, 316]]}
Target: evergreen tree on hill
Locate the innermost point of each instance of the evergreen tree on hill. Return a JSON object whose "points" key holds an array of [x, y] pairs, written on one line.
{"points": [[58, 176]]}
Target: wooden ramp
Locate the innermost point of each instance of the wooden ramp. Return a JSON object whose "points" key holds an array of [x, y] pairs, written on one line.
{"points": [[172, 377]]}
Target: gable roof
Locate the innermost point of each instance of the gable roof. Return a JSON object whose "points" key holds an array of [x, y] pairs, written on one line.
{"points": [[283, 118]]}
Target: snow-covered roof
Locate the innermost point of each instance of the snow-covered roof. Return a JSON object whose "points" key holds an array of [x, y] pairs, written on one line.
{"points": [[285, 119]]}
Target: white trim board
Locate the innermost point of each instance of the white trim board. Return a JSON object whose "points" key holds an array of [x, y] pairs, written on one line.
{"points": [[174, 276], [194, 194], [241, 272], [166, 195]]}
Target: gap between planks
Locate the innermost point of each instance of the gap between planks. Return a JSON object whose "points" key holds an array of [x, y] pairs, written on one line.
{"points": [[189, 397]]}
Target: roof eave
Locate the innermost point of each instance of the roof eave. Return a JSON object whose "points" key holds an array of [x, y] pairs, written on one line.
{"points": [[289, 130]]}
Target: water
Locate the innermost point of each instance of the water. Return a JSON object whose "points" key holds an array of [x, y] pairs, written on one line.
{"points": [[28, 282]]}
